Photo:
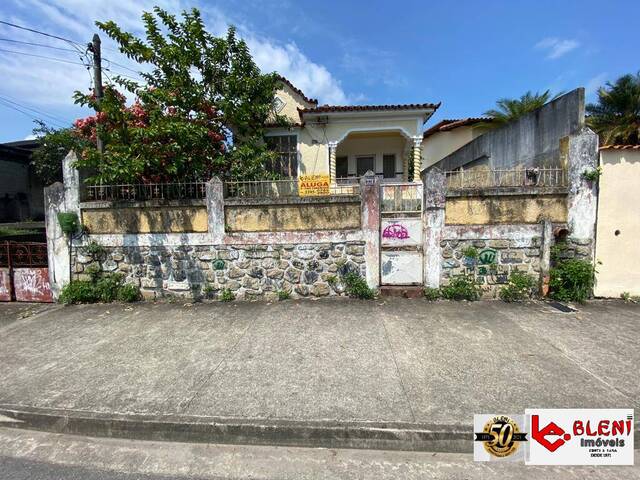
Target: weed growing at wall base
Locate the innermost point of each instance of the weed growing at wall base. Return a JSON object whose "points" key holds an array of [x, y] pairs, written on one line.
{"points": [[226, 295], [357, 287], [571, 280], [462, 287], [107, 288], [432, 294], [519, 288]]}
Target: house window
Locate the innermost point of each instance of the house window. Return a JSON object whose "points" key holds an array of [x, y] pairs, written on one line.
{"points": [[286, 148], [364, 164], [342, 167], [389, 166]]}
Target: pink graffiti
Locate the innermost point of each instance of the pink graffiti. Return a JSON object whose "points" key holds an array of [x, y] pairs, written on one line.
{"points": [[395, 230]]}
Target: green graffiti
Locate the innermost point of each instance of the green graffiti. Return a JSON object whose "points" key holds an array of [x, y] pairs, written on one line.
{"points": [[487, 256], [218, 264]]}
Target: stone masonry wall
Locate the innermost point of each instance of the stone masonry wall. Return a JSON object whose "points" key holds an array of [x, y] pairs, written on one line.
{"points": [[497, 258], [249, 271]]}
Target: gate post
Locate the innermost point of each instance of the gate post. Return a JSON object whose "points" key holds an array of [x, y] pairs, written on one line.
{"points": [[370, 214], [435, 189]]}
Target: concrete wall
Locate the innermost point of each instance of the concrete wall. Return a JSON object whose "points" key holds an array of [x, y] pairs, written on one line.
{"points": [[253, 248], [509, 209], [296, 215], [532, 140], [101, 217], [618, 229]]}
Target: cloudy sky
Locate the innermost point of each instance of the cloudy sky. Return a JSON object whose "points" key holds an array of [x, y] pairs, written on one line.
{"points": [[463, 53]]}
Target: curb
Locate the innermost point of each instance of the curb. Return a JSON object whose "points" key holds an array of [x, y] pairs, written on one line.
{"points": [[245, 431]]}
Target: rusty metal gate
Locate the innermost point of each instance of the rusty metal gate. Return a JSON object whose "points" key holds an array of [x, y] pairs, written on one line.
{"points": [[24, 275], [401, 252]]}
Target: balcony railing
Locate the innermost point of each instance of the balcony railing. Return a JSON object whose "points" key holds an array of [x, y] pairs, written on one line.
{"points": [[473, 179], [146, 191]]}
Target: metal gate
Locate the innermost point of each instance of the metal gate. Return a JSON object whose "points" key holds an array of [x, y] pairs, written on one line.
{"points": [[401, 234], [24, 275]]}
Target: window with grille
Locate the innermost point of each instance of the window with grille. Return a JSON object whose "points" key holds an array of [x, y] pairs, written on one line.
{"points": [[286, 148], [342, 167]]}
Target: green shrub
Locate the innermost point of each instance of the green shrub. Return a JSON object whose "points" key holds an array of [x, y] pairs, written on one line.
{"points": [[592, 175], [208, 291], [462, 287], [283, 295], [226, 295], [521, 287], [470, 252], [107, 288], [571, 280], [432, 294], [94, 250], [357, 287], [128, 293], [69, 222], [78, 291]]}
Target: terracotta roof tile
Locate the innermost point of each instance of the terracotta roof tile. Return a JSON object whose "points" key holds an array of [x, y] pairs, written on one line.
{"points": [[620, 147], [452, 123], [368, 108], [296, 89]]}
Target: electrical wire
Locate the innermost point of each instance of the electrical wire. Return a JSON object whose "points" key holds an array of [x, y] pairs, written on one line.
{"points": [[53, 59], [38, 45], [33, 30], [30, 115], [35, 110]]}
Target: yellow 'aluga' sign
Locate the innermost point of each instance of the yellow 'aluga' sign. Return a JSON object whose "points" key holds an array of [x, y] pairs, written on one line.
{"points": [[313, 185]]}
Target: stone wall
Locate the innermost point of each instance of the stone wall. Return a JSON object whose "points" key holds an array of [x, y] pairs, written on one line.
{"points": [[249, 271], [497, 259]]}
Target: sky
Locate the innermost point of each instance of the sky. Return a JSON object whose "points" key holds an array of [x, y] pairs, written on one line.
{"points": [[466, 54]]}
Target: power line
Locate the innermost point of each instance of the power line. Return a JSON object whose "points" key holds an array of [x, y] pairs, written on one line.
{"points": [[33, 117], [38, 45], [40, 33], [53, 117], [54, 59]]}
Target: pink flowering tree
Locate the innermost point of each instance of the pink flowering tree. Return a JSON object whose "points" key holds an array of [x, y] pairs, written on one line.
{"points": [[200, 111]]}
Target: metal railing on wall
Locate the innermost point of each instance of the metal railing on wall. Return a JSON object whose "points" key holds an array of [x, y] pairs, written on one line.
{"points": [[280, 188], [459, 180], [401, 197], [145, 191]]}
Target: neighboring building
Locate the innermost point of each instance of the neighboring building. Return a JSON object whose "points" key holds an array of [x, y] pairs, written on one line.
{"points": [[21, 193], [447, 136], [347, 141], [533, 140], [618, 227]]}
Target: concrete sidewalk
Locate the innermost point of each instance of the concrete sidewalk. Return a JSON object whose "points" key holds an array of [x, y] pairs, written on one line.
{"points": [[396, 361]]}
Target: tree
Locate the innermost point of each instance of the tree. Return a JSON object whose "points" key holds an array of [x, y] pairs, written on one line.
{"points": [[616, 116], [46, 160], [200, 111], [510, 109]]}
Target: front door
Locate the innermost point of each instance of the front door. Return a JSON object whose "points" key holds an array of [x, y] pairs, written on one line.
{"points": [[401, 252]]}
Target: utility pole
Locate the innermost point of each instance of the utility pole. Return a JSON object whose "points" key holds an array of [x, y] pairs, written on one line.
{"points": [[97, 81]]}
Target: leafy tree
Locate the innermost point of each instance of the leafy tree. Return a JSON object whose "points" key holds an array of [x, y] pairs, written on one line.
{"points": [[200, 111], [510, 109], [616, 116], [46, 160]]}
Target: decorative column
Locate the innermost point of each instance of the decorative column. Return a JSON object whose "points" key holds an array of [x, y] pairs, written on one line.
{"points": [[332, 162], [417, 158]]}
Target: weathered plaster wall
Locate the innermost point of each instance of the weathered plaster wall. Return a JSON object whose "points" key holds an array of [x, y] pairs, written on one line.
{"points": [[338, 215], [532, 140], [251, 272], [484, 210], [437, 146], [175, 218], [618, 230], [502, 251]]}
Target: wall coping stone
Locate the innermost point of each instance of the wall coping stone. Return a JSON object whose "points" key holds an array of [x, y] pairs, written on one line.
{"points": [[292, 200], [509, 191], [158, 202]]}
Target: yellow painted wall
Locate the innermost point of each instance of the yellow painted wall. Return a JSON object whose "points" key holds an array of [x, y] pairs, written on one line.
{"points": [[485, 210], [437, 146], [618, 210], [146, 220], [279, 218]]}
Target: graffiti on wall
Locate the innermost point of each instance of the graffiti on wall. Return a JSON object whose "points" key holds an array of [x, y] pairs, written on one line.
{"points": [[396, 230], [32, 285]]}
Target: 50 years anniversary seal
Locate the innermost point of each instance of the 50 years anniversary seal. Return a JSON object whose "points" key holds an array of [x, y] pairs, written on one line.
{"points": [[501, 436]]}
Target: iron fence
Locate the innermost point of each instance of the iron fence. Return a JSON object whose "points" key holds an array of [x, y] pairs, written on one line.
{"points": [[280, 188], [23, 254], [145, 191], [401, 197], [504, 178]]}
